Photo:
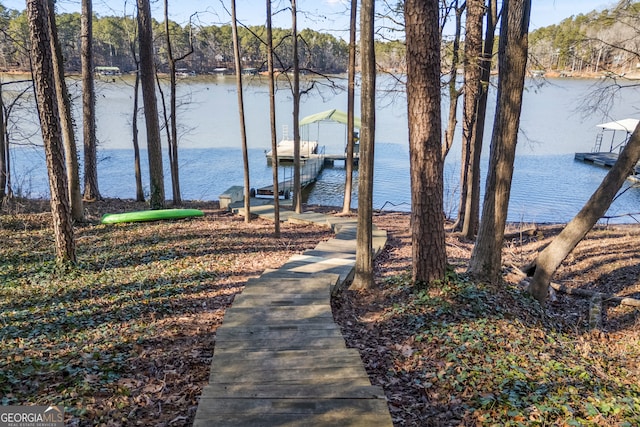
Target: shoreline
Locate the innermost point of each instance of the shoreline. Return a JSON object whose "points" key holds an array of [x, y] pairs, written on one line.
{"points": [[120, 205]]}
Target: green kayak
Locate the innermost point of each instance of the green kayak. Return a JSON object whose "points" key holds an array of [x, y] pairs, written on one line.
{"points": [[155, 215]]}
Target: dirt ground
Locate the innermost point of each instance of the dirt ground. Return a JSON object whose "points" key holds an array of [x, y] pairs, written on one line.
{"points": [[163, 376], [606, 261]]}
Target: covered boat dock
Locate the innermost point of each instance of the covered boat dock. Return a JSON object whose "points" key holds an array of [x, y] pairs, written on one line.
{"points": [[615, 135]]}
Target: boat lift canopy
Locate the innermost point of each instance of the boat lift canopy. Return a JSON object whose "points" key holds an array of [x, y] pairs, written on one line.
{"points": [[626, 125], [329, 115]]}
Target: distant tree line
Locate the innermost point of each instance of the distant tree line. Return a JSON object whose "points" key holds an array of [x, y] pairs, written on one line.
{"points": [[596, 42], [212, 45]]}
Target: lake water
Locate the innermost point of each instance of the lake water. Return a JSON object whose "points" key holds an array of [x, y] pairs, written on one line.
{"points": [[548, 184]]}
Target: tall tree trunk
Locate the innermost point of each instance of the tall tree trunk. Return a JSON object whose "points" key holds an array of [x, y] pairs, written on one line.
{"points": [[243, 131], [66, 121], [91, 191], [486, 258], [165, 122], [472, 88], [173, 141], [472, 208], [147, 77], [351, 77], [3, 152], [132, 36], [44, 81], [134, 121], [363, 278], [552, 256], [425, 150], [134, 136], [454, 92], [272, 121], [7, 158], [297, 187]]}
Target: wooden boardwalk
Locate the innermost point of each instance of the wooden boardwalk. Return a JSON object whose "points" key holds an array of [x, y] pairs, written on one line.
{"points": [[280, 359]]}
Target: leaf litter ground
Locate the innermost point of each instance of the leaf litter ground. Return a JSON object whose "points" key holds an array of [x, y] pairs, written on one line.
{"points": [[127, 338]]}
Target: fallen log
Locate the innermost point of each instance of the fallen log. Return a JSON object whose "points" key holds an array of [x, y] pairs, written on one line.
{"points": [[633, 302], [591, 294]]}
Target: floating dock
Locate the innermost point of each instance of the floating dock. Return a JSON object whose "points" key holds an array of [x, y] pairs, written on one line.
{"points": [[606, 160]]}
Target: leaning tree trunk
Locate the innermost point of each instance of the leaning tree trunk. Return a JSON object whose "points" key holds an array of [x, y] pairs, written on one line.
{"points": [[147, 78], [486, 258], [472, 89], [66, 121], [91, 191], [425, 139], [272, 121], [552, 256], [363, 278], [351, 77], [44, 82]]}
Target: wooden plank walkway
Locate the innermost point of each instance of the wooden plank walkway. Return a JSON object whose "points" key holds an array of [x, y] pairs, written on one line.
{"points": [[280, 359]]}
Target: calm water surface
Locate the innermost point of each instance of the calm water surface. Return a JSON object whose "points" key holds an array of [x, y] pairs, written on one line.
{"points": [[548, 185]]}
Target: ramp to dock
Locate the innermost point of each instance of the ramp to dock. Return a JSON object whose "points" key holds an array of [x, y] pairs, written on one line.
{"points": [[280, 359], [309, 171]]}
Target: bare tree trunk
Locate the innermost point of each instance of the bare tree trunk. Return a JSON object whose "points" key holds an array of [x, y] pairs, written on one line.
{"points": [[425, 139], [91, 191], [134, 117], [486, 259], [351, 77], [3, 152], [272, 120], [147, 77], [66, 121], [5, 112], [552, 256], [472, 209], [297, 187], [166, 124], [172, 127], [472, 89], [44, 82], [173, 140], [454, 92], [363, 278], [134, 136], [243, 131]]}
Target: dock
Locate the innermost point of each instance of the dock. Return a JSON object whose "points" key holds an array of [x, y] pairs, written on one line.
{"points": [[606, 160], [280, 359], [310, 168]]}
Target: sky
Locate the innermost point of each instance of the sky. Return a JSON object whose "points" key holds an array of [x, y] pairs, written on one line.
{"points": [[320, 15]]}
